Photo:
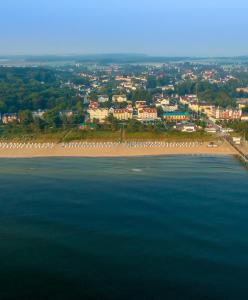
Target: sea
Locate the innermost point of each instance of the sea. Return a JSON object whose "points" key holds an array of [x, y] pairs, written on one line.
{"points": [[149, 228]]}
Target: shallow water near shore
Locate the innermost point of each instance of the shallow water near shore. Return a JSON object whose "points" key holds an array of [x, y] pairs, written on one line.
{"points": [[173, 227]]}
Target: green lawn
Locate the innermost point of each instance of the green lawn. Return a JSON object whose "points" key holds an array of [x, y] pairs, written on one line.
{"points": [[78, 135]]}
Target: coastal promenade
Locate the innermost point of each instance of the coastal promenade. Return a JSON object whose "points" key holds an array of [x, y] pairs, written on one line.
{"points": [[111, 149]]}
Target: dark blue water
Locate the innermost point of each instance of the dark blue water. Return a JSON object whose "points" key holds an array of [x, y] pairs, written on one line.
{"points": [[135, 228]]}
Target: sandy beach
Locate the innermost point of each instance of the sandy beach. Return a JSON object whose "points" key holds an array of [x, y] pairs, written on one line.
{"points": [[119, 150]]}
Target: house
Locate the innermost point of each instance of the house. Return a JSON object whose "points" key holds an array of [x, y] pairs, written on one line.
{"points": [[128, 86], [10, 118], [123, 114], [99, 114], [162, 102], [244, 118], [184, 100], [103, 98], [147, 114], [140, 104], [242, 103], [188, 99], [176, 116], [93, 105], [171, 106], [206, 109], [169, 87], [67, 113], [122, 78], [119, 98], [38, 113], [242, 90]]}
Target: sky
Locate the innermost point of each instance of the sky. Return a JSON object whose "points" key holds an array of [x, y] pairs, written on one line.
{"points": [[153, 27]]}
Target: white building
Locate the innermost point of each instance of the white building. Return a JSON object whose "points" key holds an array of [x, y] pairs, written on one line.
{"points": [[38, 113], [170, 107], [99, 114], [119, 98], [188, 128], [147, 114], [162, 102], [103, 99], [9, 118]]}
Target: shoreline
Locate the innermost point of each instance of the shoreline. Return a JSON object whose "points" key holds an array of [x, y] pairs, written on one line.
{"points": [[94, 150]]}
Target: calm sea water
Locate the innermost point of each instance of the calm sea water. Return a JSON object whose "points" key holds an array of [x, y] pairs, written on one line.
{"points": [[124, 228]]}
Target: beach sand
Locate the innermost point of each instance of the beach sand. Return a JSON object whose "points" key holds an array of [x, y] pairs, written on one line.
{"points": [[118, 151]]}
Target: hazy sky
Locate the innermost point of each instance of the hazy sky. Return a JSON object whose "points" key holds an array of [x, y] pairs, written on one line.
{"points": [[156, 27]]}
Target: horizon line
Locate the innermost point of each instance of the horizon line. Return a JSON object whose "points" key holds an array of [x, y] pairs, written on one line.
{"points": [[120, 54]]}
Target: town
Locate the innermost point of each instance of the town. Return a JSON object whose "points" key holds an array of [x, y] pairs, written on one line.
{"points": [[187, 97]]}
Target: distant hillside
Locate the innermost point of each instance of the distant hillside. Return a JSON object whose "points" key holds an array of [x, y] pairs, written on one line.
{"points": [[114, 58]]}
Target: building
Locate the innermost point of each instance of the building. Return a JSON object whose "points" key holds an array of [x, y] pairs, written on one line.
{"points": [[140, 104], [242, 103], [244, 118], [176, 116], [93, 105], [162, 102], [147, 114], [188, 127], [204, 108], [188, 99], [67, 113], [86, 126], [169, 87], [237, 140], [211, 130], [99, 114], [184, 100], [103, 98], [122, 78], [38, 113], [119, 98], [171, 106], [128, 86], [123, 114], [226, 114], [9, 118], [242, 90]]}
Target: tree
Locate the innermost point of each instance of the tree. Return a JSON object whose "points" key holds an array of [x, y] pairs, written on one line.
{"points": [[245, 110], [26, 117], [134, 125], [52, 118], [151, 82]]}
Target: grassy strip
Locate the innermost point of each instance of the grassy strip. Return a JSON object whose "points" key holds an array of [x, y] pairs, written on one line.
{"points": [[78, 135]]}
